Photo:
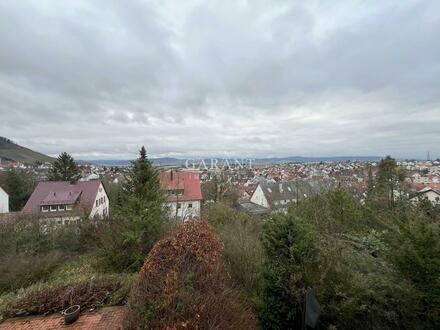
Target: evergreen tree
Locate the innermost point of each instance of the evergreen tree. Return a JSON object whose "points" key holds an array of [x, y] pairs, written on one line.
{"points": [[370, 187], [140, 204], [389, 178], [64, 169], [17, 188], [143, 180]]}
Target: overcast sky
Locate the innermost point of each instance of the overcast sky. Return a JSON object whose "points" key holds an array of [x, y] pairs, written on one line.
{"points": [[98, 79]]}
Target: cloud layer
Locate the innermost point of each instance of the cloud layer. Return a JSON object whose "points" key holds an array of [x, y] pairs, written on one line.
{"points": [[219, 78]]}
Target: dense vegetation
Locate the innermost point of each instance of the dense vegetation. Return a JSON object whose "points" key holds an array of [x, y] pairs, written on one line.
{"points": [[19, 187], [41, 260], [373, 264]]}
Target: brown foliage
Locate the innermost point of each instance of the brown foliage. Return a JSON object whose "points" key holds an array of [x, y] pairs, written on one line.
{"points": [[86, 294], [185, 285]]}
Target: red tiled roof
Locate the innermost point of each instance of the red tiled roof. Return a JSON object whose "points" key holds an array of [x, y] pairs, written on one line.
{"points": [[63, 192], [61, 197], [107, 318], [188, 181]]}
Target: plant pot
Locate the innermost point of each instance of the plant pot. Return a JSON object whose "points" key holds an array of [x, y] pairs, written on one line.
{"points": [[71, 314]]}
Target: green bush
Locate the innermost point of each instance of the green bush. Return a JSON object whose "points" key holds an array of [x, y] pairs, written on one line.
{"points": [[354, 288], [31, 236], [416, 253], [243, 251], [123, 242], [20, 270]]}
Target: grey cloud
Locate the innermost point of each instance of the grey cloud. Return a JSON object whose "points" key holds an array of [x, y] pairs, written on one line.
{"points": [[202, 78]]}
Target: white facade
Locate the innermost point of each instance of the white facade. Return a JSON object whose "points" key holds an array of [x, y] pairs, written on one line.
{"points": [[101, 204], [259, 198], [4, 201], [186, 210]]}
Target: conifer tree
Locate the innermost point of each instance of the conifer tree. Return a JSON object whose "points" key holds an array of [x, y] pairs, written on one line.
{"points": [[370, 188], [64, 169], [143, 180], [389, 178], [141, 202]]}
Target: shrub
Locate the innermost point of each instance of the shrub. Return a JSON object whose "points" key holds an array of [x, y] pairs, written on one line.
{"points": [[20, 270], [243, 252], [30, 236], [184, 284], [91, 293], [416, 253], [355, 289], [124, 242]]}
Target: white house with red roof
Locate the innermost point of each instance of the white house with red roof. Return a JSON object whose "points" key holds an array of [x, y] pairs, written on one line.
{"points": [[64, 201], [184, 193]]}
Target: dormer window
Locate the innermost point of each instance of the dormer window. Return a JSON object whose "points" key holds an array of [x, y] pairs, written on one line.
{"points": [[178, 192], [61, 208], [53, 208], [69, 207], [45, 208]]}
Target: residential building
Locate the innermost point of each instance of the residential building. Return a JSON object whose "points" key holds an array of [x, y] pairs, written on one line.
{"points": [[275, 196], [278, 196], [65, 201], [4, 201], [432, 194], [184, 193]]}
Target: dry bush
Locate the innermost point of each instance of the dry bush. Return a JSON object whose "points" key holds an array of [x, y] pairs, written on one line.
{"points": [[184, 285], [20, 270], [86, 293]]}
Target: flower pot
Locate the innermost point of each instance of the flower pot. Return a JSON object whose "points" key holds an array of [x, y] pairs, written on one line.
{"points": [[71, 314]]}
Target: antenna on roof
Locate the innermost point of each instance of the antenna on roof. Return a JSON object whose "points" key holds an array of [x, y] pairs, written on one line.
{"points": [[428, 156]]}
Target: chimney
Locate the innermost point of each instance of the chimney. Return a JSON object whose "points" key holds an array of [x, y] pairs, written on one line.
{"points": [[171, 175]]}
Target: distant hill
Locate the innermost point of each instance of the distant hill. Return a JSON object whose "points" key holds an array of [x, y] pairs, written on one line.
{"points": [[12, 152]]}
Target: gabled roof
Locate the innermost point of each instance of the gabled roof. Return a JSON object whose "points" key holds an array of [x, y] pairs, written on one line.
{"points": [[189, 182], [61, 197], [428, 189], [293, 190], [252, 208], [63, 192]]}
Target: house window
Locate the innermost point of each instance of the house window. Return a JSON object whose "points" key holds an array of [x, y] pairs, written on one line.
{"points": [[69, 207], [179, 205], [61, 207], [190, 205], [45, 208], [53, 208], [97, 203]]}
